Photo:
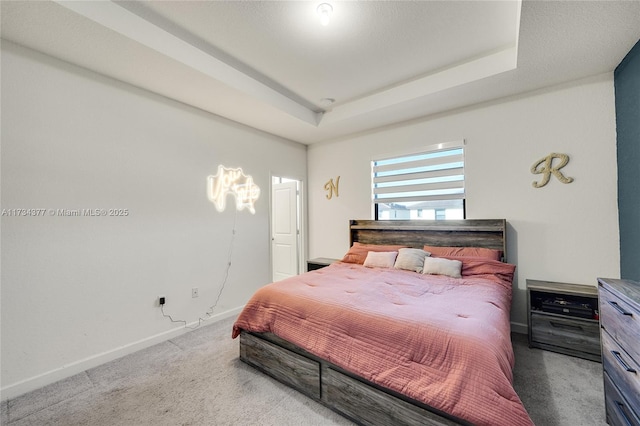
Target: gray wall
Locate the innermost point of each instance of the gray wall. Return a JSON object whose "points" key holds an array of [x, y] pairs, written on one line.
{"points": [[627, 86], [80, 290], [565, 233]]}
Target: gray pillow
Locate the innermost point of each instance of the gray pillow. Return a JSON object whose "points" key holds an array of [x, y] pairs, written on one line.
{"points": [[441, 266], [411, 259]]}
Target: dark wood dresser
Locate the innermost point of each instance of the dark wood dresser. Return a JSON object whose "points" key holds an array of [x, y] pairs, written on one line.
{"points": [[319, 262], [562, 318], [620, 332]]}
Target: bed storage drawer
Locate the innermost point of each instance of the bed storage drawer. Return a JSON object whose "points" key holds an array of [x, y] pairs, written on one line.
{"points": [[297, 371], [357, 400], [567, 333]]}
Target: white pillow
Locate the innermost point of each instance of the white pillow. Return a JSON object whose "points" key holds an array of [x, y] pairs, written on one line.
{"points": [[411, 259], [441, 266], [380, 259]]}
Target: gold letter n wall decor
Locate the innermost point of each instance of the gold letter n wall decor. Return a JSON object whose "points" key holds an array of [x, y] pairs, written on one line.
{"points": [[332, 187], [545, 167]]}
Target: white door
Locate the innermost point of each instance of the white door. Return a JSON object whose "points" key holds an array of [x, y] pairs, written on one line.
{"points": [[284, 228]]}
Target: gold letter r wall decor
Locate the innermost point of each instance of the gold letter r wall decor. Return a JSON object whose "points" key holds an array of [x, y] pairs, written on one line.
{"points": [[332, 187], [545, 167]]}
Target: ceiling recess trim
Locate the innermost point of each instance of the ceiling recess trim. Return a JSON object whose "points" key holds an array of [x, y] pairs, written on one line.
{"points": [[124, 22], [132, 26], [486, 66], [493, 63]]}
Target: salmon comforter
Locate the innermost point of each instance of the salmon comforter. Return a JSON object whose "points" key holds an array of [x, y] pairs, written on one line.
{"points": [[439, 340]]}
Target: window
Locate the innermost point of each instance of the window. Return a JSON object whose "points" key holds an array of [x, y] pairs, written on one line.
{"points": [[427, 185]]}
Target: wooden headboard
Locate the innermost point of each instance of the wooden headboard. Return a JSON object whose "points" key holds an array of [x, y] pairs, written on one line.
{"points": [[488, 233]]}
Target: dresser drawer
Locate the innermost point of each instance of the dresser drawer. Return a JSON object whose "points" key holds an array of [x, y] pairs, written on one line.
{"points": [[623, 370], [621, 321], [575, 334], [619, 413]]}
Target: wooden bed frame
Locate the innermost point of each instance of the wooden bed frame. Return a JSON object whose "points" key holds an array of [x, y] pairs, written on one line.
{"points": [[351, 396]]}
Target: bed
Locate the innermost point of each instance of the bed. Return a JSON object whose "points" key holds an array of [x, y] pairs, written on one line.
{"points": [[382, 345]]}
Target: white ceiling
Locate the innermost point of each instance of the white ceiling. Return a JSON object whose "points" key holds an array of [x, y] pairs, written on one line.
{"points": [[269, 64]]}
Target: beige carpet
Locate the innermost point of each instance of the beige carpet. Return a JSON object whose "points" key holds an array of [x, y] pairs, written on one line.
{"points": [[197, 379]]}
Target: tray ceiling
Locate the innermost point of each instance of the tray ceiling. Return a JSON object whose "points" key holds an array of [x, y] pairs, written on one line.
{"points": [[272, 65]]}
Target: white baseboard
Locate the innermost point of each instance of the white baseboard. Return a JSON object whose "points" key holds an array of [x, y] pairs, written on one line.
{"points": [[520, 328], [41, 380], [33, 383]]}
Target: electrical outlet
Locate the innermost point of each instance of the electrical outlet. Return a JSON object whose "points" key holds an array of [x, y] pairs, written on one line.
{"points": [[161, 300], [194, 292]]}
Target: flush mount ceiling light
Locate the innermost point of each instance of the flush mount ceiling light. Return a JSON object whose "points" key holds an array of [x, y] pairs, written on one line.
{"points": [[325, 10], [326, 102]]}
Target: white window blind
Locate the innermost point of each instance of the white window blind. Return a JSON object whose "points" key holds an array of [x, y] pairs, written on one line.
{"points": [[433, 179]]}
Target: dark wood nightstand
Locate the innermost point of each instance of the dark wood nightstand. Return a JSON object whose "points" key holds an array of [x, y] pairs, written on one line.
{"points": [[319, 262], [563, 318]]}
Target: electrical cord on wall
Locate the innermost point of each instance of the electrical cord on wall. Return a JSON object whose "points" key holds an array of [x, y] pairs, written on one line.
{"points": [[209, 311]]}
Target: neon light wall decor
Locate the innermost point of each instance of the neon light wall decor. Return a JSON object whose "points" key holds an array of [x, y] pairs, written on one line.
{"points": [[236, 183]]}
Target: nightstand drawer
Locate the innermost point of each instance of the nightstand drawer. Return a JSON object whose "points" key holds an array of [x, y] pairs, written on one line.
{"points": [[569, 333], [623, 370], [621, 321], [319, 263]]}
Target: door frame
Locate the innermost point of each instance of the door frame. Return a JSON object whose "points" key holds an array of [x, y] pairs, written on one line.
{"points": [[302, 223]]}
